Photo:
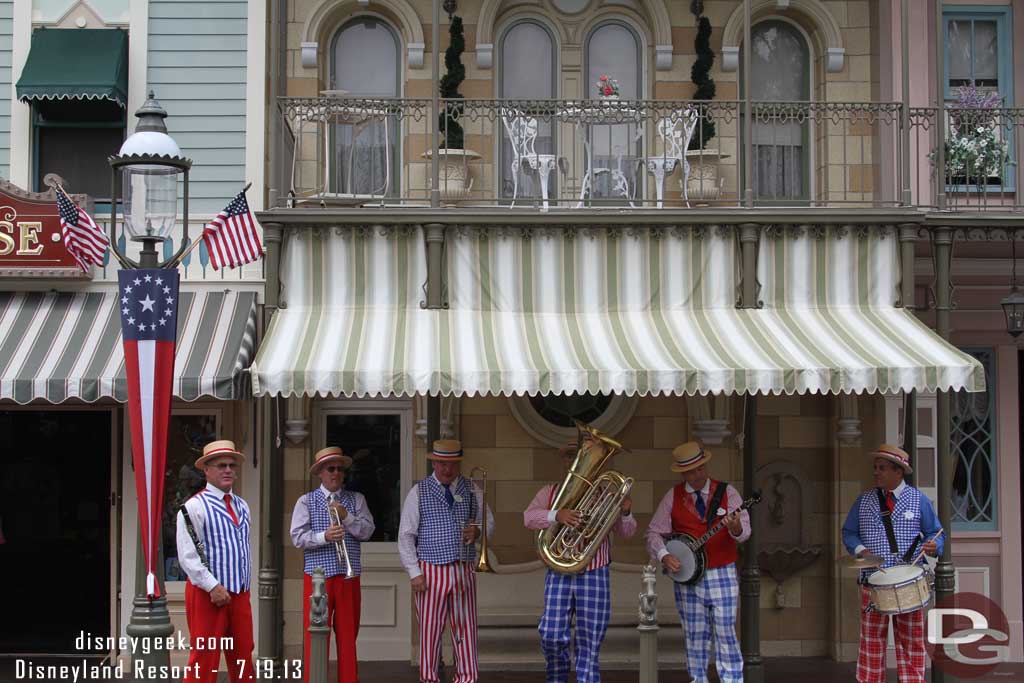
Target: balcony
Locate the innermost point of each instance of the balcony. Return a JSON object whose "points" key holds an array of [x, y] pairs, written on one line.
{"points": [[570, 155]]}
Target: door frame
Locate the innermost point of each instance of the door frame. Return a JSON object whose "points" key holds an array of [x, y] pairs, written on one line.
{"points": [[113, 495], [386, 573]]}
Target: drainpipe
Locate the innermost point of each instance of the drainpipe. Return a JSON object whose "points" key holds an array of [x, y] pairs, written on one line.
{"points": [[435, 301], [750, 575], [435, 112], [942, 245], [940, 109], [906, 199], [748, 115]]}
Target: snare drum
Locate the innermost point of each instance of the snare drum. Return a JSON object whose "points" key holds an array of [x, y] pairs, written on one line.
{"points": [[899, 589]]}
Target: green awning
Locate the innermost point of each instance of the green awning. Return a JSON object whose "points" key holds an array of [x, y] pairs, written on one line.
{"points": [[76, 64]]}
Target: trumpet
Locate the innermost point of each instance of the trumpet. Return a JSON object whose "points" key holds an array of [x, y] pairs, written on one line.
{"points": [[482, 564], [339, 546]]}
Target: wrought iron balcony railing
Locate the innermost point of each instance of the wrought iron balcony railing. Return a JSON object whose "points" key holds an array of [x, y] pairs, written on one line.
{"points": [[561, 155]]}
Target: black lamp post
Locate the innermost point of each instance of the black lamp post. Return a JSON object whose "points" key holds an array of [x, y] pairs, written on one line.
{"points": [[149, 162], [1013, 303]]}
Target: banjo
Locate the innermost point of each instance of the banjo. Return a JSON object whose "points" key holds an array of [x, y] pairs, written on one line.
{"points": [[690, 551]]}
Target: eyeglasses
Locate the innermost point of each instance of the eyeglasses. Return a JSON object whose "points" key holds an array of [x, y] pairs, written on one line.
{"points": [[226, 466], [334, 468]]}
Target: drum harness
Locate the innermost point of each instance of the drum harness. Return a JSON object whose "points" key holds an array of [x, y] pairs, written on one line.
{"points": [[890, 534]]}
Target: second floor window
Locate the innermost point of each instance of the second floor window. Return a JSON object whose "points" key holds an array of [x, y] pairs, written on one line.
{"points": [[613, 49], [979, 82], [365, 63], [527, 72], [780, 67], [73, 139]]}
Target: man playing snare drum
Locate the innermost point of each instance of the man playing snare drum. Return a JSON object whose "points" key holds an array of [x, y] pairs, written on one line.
{"points": [[893, 521]]}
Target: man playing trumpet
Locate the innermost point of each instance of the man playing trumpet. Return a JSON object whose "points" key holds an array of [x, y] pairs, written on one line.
{"points": [[586, 594], [440, 523], [316, 530]]}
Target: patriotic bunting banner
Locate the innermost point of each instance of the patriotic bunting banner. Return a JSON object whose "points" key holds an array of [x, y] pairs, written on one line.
{"points": [[149, 308]]}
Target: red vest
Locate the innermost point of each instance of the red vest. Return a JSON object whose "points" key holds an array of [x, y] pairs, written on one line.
{"points": [[721, 549]]}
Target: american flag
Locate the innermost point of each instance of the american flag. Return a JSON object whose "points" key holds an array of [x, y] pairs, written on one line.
{"points": [[148, 300], [231, 238], [82, 238]]}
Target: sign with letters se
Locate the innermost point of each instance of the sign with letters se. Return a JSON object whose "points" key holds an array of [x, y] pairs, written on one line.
{"points": [[30, 239]]}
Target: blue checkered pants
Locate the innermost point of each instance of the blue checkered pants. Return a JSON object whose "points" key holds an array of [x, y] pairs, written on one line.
{"points": [[586, 595], [708, 612]]}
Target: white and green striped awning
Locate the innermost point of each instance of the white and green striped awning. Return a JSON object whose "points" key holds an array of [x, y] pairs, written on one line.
{"points": [[624, 311], [60, 346]]}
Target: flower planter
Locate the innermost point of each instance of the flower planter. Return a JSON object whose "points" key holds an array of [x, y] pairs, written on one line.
{"points": [[455, 173], [705, 181]]}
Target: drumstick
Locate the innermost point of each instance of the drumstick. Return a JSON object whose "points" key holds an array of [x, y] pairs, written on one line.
{"points": [[921, 552]]}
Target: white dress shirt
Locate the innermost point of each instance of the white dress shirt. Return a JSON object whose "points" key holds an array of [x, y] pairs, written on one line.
{"points": [[188, 556], [409, 527], [358, 523]]}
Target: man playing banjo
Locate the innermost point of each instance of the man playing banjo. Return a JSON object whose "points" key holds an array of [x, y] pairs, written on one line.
{"points": [[707, 606], [890, 521]]}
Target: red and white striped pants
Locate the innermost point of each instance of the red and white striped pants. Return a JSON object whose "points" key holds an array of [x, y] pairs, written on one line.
{"points": [[908, 634], [451, 590]]}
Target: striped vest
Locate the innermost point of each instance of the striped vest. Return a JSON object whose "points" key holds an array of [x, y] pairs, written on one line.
{"points": [[227, 544], [326, 557], [906, 523], [439, 539], [603, 556]]}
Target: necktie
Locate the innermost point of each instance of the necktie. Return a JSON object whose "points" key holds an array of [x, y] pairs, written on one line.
{"points": [[890, 501], [231, 510], [448, 497], [702, 509]]}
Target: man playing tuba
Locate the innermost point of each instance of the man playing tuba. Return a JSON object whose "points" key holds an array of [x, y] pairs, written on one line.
{"points": [[587, 594], [316, 532]]}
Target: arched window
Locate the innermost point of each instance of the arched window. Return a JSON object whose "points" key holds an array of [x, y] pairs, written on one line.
{"points": [[526, 71], [780, 65], [613, 49], [365, 63]]}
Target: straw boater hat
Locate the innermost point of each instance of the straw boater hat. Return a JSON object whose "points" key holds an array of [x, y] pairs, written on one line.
{"points": [[689, 456], [217, 449], [893, 454], [329, 454], [446, 450]]}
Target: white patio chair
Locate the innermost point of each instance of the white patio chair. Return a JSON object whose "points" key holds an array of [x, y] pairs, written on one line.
{"points": [[522, 134], [675, 134]]}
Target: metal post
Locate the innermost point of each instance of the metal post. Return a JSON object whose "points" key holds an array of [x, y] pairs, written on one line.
{"points": [[750, 576], [748, 114], [435, 300], [648, 627], [906, 199], [940, 109], [318, 630], [908, 239], [944, 572], [150, 621], [435, 105], [270, 646]]}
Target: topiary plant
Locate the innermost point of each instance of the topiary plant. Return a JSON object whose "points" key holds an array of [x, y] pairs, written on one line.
{"points": [[449, 86], [700, 74]]}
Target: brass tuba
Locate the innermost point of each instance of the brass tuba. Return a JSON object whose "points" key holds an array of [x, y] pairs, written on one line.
{"points": [[596, 495]]}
